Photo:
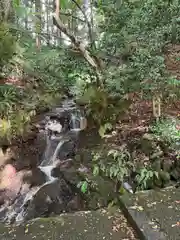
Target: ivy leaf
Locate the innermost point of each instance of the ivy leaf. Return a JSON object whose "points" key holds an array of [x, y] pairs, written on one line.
{"points": [[84, 187]]}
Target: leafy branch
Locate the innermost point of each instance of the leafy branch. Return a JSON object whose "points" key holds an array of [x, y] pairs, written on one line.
{"points": [[92, 61]]}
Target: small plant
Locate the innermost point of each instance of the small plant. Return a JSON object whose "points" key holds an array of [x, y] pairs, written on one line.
{"points": [[7, 44], [103, 107], [117, 165], [145, 178], [16, 124], [167, 130], [83, 185], [9, 97]]}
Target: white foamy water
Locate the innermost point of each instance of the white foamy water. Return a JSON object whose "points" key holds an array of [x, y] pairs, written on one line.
{"points": [[47, 170], [56, 136], [54, 126], [58, 148]]}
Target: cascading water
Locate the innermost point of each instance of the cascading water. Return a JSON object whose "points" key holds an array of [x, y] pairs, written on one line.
{"points": [[61, 129]]}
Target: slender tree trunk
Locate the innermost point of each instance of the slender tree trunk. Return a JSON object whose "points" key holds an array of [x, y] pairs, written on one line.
{"points": [[156, 103], [57, 11], [7, 13], [38, 23]]}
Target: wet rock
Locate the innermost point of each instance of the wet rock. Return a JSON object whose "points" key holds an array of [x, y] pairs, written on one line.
{"points": [[175, 173], [53, 187], [68, 150], [156, 165], [165, 177], [77, 203], [62, 117], [101, 193], [55, 197], [28, 155], [35, 178], [7, 154], [167, 164], [71, 175]]}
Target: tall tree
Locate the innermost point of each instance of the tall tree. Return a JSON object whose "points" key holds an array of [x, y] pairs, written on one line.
{"points": [[6, 10], [38, 23]]}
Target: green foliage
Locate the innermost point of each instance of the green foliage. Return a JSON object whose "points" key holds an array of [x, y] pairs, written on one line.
{"points": [[54, 69], [117, 165], [7, 44], [131, 37], [135, 34], [172, 93], [16, 124], [167, 130], [102, 107], [9, 97], [83, 185], [146, 178]]}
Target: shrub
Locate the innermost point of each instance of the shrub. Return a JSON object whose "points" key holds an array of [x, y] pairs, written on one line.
{"points": [[7, 45]]}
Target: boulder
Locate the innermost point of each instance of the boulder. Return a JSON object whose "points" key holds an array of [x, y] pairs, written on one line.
{"points": [[148, 143]]}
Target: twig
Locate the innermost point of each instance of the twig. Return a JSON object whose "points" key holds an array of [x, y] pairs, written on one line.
{"points": [[70, 15], [87, 22], [76, 42]]}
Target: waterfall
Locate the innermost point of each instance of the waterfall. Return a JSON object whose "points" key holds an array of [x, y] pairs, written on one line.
{"points": [[47, 170], [59, 132]]}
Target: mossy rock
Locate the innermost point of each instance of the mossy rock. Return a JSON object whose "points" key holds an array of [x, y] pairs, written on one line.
{"points": [[156, 165], [165, 176], [163, 180], [167, 165], [101, 193], [175, 173], [148, 143]]}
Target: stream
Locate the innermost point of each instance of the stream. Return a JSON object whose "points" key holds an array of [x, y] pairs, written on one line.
{"points": [[53, 194]]}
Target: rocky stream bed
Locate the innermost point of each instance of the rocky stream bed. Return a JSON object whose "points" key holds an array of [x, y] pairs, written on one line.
{"points": [[59, 156]]}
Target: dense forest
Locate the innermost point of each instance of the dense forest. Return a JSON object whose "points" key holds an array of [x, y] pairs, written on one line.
{"points": [[119, 59]]}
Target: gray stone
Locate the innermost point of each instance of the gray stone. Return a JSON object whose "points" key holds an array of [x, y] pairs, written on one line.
{"points": [[155, 214], [148, 143], [90, 225], [167, 164]]}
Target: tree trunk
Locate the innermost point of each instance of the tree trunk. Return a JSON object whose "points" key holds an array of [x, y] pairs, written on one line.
{"points": [[38, 23], [6, 11]]}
